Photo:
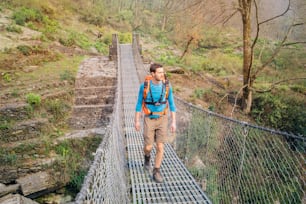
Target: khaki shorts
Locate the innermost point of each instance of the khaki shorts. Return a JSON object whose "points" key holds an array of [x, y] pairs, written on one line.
{"points": [[155, 130]]}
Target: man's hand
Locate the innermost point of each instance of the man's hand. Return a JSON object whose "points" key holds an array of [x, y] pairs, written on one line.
{"points": [[173, 123], [173, 127], [137, 125], [137, 121]]}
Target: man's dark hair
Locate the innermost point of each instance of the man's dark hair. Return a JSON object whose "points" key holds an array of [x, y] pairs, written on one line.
{"points": [[154, 66]]}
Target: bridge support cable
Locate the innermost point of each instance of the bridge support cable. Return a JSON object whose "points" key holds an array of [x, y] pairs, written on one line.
{"points": [[178, 186]]}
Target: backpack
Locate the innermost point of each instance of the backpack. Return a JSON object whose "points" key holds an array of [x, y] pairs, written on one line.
{"points": [[147, 90]]}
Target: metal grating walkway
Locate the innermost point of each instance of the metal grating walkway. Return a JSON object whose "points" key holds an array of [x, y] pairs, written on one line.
{"points": [[178, 186]]}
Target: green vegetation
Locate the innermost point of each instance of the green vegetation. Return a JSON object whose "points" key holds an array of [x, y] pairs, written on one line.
{"points": [[67, 75], [14, 28], [24, 15], [70, 153], [8, 158], [58, 108], [33, 99], [281, 112]]}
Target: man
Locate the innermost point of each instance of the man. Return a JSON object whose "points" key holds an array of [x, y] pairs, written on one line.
{"points": [[155, 97]]}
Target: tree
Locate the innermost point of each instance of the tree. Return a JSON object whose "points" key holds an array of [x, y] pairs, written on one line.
{"points": [[245, 10], [250, 72]]}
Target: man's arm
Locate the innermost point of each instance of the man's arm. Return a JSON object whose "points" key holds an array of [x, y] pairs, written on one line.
{"points": [[137, 121], [138, 109], [173, 122]]}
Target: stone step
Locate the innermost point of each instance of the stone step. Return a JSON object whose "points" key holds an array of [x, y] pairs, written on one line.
{"points": [[97, 81], [90, 116], [83, 123], [91, 111], [103, 90], [94, 100]]}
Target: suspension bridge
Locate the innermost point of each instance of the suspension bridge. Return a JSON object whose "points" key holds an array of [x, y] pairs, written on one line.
{"points": [[229, 161]]}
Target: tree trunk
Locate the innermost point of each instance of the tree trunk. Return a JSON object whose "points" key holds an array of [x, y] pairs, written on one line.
{"points": [[247, 55]]}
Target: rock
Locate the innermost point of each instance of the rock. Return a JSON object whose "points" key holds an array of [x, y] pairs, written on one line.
{"points": [[197, 163], [175, 70], [33, 183], [29, 69], [16, 199], [4, 190], [15, 111], [24, 130]]}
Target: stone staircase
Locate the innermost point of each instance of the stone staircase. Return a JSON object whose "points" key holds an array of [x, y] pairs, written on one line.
{"points": [[94, 93]]}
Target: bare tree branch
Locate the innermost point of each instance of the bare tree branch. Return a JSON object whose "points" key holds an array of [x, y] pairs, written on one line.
{"points": [[275, 17], [278, 82], [187, 47], [277, 50], [236, 99], [229, 17], [294, 43]]}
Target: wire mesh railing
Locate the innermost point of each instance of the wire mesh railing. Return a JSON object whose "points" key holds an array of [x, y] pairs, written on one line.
{"points": [[106, 180], [236, 162]]}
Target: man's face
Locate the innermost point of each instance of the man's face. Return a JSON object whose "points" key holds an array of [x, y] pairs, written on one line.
{"points": [[159, 74]]}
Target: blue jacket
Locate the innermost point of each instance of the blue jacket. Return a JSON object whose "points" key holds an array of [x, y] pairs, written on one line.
{"points": [[156, 90]]}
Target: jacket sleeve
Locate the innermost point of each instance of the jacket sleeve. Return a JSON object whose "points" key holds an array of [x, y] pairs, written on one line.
{"points": [[172, 106], [139, 100]]}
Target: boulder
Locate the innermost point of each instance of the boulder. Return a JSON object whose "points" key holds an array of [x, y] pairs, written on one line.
{"points": [[4, 190], [16, 199], [36, 182]]}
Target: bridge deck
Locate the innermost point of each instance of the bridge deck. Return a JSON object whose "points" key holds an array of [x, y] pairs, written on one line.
{"points": [[178, 186]]}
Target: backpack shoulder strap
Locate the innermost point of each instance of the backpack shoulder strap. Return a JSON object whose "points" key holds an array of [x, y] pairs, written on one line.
{"points": [[146, 86], [167, 88]]}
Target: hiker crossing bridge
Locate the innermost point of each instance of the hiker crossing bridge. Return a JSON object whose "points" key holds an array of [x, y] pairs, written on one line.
{"points": [[229, 161]]}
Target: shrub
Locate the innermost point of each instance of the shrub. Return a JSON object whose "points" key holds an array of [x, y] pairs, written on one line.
{"points": [[75, 38], [76, 180], [198, 93], [57, 108], [33, 99], [15, 93], [125, 15], [7, 77], [101, 47], [107, 38], [13, 28], [50, 26], [286, 114], [25, 50], [168, 59], [4, 125], [67, 75], [68, 42], [267, 109], [125, 38], [9, 159], [25, 15]]}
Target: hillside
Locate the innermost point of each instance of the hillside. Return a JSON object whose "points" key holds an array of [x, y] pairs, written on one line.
{"points": [[39, 131]]}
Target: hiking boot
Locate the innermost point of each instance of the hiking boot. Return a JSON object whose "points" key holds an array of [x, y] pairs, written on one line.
{"points": [[147, 164], [157, 176]]}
